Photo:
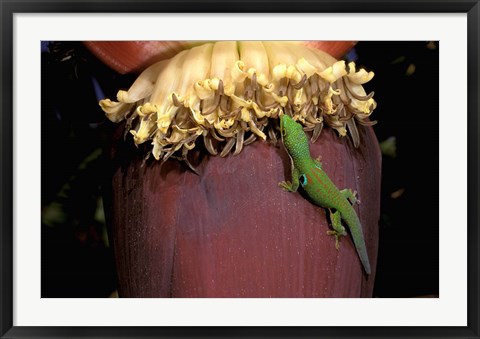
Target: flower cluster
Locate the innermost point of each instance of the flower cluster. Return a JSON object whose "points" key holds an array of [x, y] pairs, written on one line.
{"points": [[231, 93]]}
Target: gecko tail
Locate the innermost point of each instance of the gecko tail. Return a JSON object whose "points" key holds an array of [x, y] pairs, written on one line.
{"points": [[364, 259], [359, 241]]}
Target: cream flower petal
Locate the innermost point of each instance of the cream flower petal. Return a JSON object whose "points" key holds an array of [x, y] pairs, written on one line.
{"points": [[359, 77], [232, 92]]}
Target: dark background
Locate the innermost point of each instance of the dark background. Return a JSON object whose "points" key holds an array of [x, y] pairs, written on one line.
{"points": [[76, 258]]}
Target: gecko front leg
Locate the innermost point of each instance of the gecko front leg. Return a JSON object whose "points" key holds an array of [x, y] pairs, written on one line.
{"points": [[291, 186], [318, 161]]}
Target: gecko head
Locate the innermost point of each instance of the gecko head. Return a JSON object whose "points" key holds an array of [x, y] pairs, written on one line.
{"points": [[292, 132]]}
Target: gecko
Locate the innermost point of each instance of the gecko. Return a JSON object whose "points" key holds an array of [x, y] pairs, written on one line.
{"points": [[308, 173]]}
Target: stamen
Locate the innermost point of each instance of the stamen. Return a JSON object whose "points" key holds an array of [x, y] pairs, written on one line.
{"points": [[250, 139], [314, 80], [209, 146], [288, 110], [329, 119], [271, 134], [355, 95], [160, 155], [282, 89], [232, 114], [308, 92], [257, 131], [248, 92], [152, 133], [168, 155], [343, 95], [308, 108], [314, 111], [168, 149], [290, 94], [191, 138], [185, 159], [263, 121], [224, 103], [258, 101], [128, 124], [300, 109], [309, 126], [301, 83], [316, 132], [353, 109], [220, 87], [275, 114], [254, 82], [144, 161], [239, 143], [175, 100], [228, 147], [344, 113], [310, 119], [244, 125], [362, 97], [366, 123], [215, 135], [189, 114], [215, 105], [227, 133], [353, 132]]}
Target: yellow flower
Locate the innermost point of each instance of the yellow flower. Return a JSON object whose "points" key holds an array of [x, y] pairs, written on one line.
{"points": [[232, 92]]}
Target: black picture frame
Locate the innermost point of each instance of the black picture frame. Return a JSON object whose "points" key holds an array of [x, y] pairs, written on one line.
{"points": [[10, 7]]}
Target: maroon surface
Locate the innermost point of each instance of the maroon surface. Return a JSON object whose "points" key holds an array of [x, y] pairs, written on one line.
{"points": [[232, 232]]}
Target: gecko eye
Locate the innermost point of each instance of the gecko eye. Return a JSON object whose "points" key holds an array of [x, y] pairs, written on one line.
{"points": [[283, 131], [303, 180]]}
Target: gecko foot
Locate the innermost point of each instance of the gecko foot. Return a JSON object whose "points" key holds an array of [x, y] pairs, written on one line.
{"points": [[286, 186], [350, 195], [337, 236]]}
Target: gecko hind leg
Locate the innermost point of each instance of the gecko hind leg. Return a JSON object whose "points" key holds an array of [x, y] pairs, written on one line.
{"points": [[338, 229], [350, 195]]}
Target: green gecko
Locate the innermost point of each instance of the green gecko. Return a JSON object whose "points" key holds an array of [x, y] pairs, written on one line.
{"points": [[320, 189]]}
